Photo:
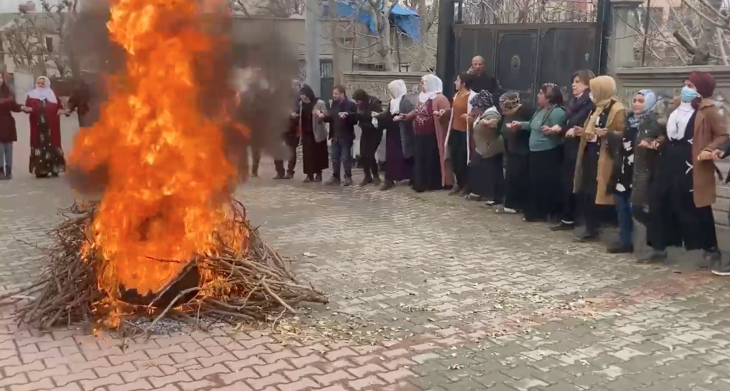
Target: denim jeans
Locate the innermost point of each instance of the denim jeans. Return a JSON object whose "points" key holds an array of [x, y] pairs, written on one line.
{"points": [[6, 155], [341, 153], [625, 221]]}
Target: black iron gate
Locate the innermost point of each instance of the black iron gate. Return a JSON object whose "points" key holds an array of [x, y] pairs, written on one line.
{"points": [[523, 56]]}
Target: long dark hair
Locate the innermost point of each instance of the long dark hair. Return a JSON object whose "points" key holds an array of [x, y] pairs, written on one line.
{"points": [[307, 91], [5, 87]]}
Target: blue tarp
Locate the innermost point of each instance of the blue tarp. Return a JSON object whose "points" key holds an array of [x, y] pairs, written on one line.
{"points": [[406, 20]]}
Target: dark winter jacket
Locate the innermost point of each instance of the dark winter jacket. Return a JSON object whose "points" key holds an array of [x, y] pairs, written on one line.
{"points": [[645, 159], [365, 114], [342, 127], [483, 81], [578, 112], [8, 133], [517, 141]]}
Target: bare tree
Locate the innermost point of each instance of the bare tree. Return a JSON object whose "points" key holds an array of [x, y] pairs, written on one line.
{"points": [[31, 43], [694, 32], [528, 11]]}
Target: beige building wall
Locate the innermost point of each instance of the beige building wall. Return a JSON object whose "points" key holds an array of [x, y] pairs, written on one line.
{"points": [[364, 58]]}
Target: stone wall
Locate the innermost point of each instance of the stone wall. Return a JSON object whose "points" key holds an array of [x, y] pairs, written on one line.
{"points": [[668, 82], [376, 83]]}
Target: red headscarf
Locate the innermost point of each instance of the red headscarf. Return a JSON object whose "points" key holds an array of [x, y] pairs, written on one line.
{"points": [[704, 82]]}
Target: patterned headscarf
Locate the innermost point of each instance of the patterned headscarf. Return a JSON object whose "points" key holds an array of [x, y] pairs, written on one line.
{"points": [[650, 100], [482, 100], [509, 100]]}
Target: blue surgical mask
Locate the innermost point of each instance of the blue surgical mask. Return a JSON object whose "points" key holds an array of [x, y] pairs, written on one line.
{"points": [[688, 94]]}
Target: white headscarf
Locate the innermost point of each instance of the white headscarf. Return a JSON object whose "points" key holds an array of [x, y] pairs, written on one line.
{"points": [[434, 86], [45, 93], [397, 89], [678, 120]]}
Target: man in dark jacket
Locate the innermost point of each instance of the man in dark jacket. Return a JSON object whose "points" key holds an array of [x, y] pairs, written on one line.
{"points": [[482, 81], [290, 137], [341, 117], [371, 135]]}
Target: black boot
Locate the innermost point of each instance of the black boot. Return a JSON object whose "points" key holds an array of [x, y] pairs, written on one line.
{"points": [[366, 181]]}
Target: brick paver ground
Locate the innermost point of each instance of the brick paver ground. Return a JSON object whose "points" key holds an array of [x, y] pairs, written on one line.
{"points": [[427, 293]]}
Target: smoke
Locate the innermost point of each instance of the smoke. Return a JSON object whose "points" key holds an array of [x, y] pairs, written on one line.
{"points": [[260, 67]]}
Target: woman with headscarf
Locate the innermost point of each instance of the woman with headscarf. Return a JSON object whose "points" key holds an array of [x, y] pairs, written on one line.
{"points": [[398, 136], [517, 144], [594, 163], [546, 153], [486, 169], [426, 164], [683, 187], [434, 87], [632, 168], [578, 111], [46, 153], [314, 135]]}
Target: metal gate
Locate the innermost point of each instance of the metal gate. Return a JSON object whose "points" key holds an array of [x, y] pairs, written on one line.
{"points": [[526, 55]]}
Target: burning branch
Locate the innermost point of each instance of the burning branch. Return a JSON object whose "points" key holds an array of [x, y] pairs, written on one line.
{"points": [[239, 282]]}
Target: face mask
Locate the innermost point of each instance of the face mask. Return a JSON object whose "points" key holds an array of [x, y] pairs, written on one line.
{"points": [[688, 94], [591, 96]]}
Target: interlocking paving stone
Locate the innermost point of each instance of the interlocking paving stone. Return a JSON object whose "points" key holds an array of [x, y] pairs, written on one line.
{"points": [[428, 292]]}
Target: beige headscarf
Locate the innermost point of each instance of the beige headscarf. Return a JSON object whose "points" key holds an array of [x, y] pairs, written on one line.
{"points": [[603, 90]]}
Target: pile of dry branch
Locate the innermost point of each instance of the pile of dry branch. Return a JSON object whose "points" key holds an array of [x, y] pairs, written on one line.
{"points": [[235, 285]]}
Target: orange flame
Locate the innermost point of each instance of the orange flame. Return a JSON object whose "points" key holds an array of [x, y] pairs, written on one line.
{"points": [[167, 168]]}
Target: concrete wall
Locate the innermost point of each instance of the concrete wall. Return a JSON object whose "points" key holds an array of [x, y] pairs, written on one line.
{"points": [[669, 81], [376, 83]]}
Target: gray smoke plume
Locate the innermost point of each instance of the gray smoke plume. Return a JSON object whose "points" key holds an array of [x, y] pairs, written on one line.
{"points": [[265, 67]]}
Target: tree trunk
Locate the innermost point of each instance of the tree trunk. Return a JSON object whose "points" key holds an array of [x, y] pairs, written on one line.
{"points": [[385, 49], [422, 9]]}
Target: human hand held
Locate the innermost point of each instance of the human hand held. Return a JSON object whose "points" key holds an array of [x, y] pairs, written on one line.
{"points": [[570, 132], [578, 131], [643, 144], [343, 115], [488, 122], [653, 144], [465, 116], [600, 132], [718, 155], [513, 125], [26, 109], [398, 117], [705, 155]]}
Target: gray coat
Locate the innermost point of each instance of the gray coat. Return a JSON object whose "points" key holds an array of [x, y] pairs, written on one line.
{"points": [[407, 134], [488, 141], [320, 130]]}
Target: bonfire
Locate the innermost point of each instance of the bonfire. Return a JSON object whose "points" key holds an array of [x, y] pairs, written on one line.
{"points": [[167, 238]]}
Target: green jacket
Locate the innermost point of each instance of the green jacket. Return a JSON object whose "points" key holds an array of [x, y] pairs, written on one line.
{"points": [[549, 117]]}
